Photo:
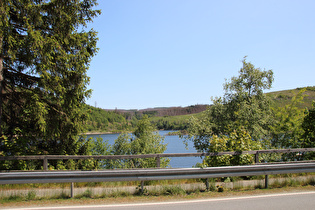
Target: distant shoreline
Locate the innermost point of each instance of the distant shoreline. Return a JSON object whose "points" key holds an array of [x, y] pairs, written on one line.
{"points": [[175, 132], [98, 133]]}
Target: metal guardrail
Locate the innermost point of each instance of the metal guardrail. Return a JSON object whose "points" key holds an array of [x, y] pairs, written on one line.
{"points": [[152, 174]]}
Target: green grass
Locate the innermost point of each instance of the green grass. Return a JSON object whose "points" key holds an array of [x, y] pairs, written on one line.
{"points": [[167, 188], [163, 195], [283, 98]]}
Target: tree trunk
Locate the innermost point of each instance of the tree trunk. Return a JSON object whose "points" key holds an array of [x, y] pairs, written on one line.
{"points": [[1, 84], [2, 13]]}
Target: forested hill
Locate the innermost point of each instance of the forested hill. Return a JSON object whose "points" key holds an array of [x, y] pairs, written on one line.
{"points": [[101, 120], [105, 120], [164, 111]]}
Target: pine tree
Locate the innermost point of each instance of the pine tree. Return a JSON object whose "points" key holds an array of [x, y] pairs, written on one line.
{"points": [[45, 51]]}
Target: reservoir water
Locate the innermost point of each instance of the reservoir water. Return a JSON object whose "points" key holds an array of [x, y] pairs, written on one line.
{"points": [[174, 145]]}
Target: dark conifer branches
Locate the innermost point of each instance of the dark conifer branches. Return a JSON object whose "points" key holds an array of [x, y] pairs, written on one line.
{"points": [[45, 54]]}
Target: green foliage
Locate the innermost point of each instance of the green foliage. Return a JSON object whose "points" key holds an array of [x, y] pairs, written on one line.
{"points": [[144, 141], [31, 195], [276, 99], [99, 120], [100, 147], [86, 194], [200, 131], [239, 140], [283, 98], [244, 105], [171, 123], [45, 54], [150, 113], [245, 119], [173, 190], [141, 191], [173, 118], [105, 121], [286, 129], [308, 126]]}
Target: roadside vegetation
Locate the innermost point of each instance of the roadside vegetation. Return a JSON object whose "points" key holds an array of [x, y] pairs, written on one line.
{"points": [[129, 192]]}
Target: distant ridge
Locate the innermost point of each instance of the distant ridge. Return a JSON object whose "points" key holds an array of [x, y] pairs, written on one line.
{"points": [[280, 97], [165, 111]]}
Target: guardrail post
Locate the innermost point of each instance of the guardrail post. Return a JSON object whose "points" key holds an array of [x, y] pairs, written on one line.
{"points": [[257, 157], [266, 181], [72, 190], [207, 184], [158, 161], [142, 184], [45, 164]]}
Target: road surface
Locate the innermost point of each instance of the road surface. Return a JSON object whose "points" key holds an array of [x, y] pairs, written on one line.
{"points": [[287, 201]]}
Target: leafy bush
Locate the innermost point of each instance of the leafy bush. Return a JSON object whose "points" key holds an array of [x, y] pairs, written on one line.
{"points": [[239, 140]]}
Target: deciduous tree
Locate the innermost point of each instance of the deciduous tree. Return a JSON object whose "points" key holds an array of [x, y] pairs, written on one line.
{"points": [[145, 140], [243, 105], [239, 140], [286, 129], [308, 126]]}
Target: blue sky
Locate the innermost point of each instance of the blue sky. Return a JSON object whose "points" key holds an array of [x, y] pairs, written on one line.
{"points": [[163, 53]]}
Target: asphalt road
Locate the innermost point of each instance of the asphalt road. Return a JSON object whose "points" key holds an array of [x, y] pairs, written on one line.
{"points": [[301, 201]]}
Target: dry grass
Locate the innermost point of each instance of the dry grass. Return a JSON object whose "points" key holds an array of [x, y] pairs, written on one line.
{"points": [[121, 197]]}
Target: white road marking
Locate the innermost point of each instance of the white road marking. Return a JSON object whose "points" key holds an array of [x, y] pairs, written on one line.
{"points": [[166, 203]]}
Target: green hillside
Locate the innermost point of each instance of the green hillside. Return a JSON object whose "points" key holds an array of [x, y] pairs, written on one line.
{"points": [[100, 120], [282, 98], [279, 99]]}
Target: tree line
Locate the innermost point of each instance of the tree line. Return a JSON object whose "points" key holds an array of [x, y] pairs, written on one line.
{"points": [[100, 120], [173, 118]]}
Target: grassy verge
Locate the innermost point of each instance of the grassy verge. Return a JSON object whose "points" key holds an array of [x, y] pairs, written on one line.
{"points": [[16, 203], [159, 193]]}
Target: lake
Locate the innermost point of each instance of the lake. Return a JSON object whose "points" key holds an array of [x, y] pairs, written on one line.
{"points": [[174, 145]]}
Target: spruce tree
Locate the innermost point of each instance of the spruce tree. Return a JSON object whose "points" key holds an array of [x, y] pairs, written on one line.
{"points": [[45, 51]]}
